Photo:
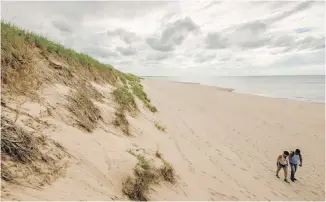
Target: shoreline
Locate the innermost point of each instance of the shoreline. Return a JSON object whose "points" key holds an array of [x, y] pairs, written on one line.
{"points": [[233, 90]]}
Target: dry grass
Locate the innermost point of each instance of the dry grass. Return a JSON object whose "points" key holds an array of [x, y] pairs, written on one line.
{"points": [[158, 154], [6, 174], [160, 127], [90, 91], [126, 103], [18, 41], [84, 110], [167, 172], [18, 73], [138, 188], [17, 143], [26, 156], [122, 122]]}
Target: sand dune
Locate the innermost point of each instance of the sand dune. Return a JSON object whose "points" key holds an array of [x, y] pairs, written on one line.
{"points": [[222, 145]]}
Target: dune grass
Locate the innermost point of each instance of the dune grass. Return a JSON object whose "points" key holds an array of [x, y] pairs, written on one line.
{"points": [[26, 155], [138, 90], [159, 127], [125, 99], [17, 43], [85, 112], [122, 121], [167, 172], [137, 188], [20, 76], [145, 175]]}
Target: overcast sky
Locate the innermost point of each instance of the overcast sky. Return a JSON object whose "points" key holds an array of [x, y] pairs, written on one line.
{"points": [[185, 38]]}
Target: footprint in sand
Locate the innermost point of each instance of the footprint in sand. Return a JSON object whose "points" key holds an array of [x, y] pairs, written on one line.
{"points": [[191, 169], [244, 169], [256, 178], [233, 198]]}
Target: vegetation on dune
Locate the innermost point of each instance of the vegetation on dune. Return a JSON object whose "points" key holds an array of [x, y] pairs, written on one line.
{"points": [[84, 110], [20, 75], [160, 127], [14, 52], [122, 122], [125, 99], [167, 172], [145, 175], [29, 60], [26, 157], [138, 90]]}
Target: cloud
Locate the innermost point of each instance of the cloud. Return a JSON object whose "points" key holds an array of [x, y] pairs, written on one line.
{"points": [[126, 36], [201, 58], [302, 59], [172, 35], [127, 51], [212, 3], [157, 56], [298, 8], [291, 43], [247, 35], [99, 52], [183, 38], [62, 26], [215, 41]]}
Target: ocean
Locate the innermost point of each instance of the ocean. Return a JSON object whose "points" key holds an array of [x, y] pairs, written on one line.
{"points": [[307, 88]]}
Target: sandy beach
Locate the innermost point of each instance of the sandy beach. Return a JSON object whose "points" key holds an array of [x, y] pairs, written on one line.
{"points": [[222, 145]]}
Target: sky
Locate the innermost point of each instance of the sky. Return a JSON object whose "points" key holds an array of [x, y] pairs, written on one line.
{"points": [[185, 38]]}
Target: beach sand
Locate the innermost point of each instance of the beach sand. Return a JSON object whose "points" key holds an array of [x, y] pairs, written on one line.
{"points": [[222, 145]]}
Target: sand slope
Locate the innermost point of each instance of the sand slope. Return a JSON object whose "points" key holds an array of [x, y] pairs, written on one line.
{"points": [[222, 145]]}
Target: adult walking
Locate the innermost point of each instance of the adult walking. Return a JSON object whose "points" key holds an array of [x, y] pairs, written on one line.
{"points": [[295, 160], [282, 162]]}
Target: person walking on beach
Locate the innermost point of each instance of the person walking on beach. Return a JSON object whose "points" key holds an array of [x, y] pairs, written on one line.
{"points": [[282, 162], [295, 160]]}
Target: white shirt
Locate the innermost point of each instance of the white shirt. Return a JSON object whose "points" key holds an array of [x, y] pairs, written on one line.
{"points": [[282, 160]]}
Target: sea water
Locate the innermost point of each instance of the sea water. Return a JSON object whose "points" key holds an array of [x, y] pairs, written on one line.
{"points": [[308, 87]]}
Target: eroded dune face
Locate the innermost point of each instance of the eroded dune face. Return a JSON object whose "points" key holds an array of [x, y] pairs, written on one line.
{"points": [[74, 131]]}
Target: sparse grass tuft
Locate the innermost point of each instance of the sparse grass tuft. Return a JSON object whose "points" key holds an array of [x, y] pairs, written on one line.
{"points": [[125, 99], [151, 107], [137, 188], [84, 110], [126, 103], [138, 90], [158, 154], [122, 122], [167, 172], [159, 127]]}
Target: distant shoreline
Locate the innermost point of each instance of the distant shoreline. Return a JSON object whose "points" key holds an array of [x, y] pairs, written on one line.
{"points": [[267, 95]]}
